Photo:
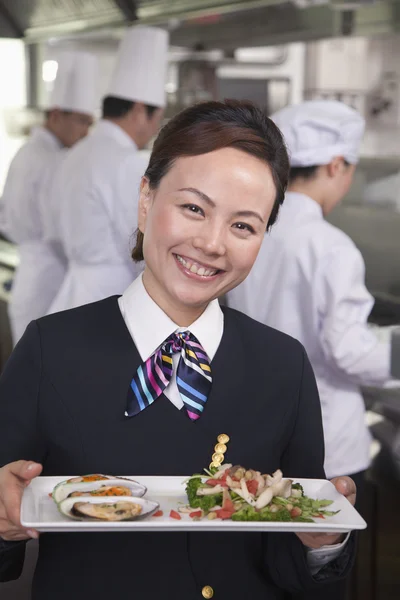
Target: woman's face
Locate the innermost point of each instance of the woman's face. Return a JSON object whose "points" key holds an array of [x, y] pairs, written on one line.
{"points": [[203, 227]]}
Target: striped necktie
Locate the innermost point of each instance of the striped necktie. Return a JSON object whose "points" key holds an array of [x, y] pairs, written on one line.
{"points": [[193, 376]]}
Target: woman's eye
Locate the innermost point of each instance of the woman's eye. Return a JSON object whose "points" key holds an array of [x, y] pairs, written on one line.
{"points": [[244, 227], [194, 209]]}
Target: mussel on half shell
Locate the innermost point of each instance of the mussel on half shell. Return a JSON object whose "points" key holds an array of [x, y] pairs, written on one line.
{"points": [[98, 485], [113, 509]]}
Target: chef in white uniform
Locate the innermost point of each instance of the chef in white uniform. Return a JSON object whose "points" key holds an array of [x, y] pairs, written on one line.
{"points": [[308, 280], [96, 188], [69, 115]]}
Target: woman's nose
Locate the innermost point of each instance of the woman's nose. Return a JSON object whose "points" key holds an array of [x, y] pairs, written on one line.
{"points": [[211, 241]]}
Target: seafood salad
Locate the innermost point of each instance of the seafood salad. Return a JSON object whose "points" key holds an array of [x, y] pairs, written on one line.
{"points": [[239, 494]]}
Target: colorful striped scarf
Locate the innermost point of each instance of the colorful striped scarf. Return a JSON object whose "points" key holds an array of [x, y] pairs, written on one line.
{"points": [[193, 376]]}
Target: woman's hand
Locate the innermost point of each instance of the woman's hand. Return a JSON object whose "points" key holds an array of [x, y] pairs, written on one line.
{"points": [[14, 478], [347, 487]]}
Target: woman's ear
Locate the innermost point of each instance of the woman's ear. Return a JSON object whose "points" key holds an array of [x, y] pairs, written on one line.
{"points": [[144, 203]]}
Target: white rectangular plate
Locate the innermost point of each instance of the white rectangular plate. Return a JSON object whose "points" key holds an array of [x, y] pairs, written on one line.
{"points": [[39, 512]]}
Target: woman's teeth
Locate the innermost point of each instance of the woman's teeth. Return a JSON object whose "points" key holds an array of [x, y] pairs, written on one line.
{"points": [[196, 268]]}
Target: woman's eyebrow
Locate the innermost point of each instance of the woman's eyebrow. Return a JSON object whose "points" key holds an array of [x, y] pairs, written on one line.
{"points": [[249, 213], [207, 199], [200, 194]]}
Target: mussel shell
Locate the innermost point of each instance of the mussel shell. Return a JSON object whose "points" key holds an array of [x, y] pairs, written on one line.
{"points": [[65, 488], [148, 507]]}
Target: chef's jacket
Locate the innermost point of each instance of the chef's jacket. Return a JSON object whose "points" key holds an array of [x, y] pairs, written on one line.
{"points": [[308, 281], [40, 271], [95, 193]]}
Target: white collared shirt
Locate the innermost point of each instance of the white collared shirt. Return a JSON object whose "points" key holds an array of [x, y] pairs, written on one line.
{"points": [[149, 326]]}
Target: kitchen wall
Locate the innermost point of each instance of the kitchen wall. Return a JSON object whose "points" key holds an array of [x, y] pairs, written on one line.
{"points": [[289, 64]]}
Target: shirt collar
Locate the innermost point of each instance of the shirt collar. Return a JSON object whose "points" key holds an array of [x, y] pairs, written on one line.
{"points": [[115, 131], [304, 203], [45, 135], [149, 326]]}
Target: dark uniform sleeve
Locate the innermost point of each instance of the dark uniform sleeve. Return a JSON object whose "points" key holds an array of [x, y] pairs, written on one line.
{"points": [[286, 556], [20, 438], [12, 555]]}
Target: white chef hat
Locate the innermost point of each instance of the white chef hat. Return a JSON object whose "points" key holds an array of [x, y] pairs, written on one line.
{"points": [[76, 84], [141, 68], [317, 131]]}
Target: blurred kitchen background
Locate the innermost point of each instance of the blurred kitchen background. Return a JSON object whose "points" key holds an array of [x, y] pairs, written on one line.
{"points": [[274, 52]]}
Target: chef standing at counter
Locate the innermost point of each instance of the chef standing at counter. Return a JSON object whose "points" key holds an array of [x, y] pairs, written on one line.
{"points": [[308, 280], [68, 118], [95, 190]]}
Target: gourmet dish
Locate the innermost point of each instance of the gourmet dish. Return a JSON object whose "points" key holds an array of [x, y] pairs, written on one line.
{"points": [[98, 497], [233, 492], [223, 491]]}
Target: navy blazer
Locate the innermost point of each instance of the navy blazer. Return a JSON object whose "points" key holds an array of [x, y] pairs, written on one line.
{"points": [[62, 401]]}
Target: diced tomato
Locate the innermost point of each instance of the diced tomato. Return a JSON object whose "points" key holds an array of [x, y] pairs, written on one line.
{"points": [[319, 516], [159, 513], [252, 486], [175, 515], [214, 482], [227, 503], [224, 514], [296, 512], [195, 513]]}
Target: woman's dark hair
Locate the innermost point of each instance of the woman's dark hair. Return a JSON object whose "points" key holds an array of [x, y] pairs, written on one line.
{"points": [[115, 108], [211, 126], [306, 172]]}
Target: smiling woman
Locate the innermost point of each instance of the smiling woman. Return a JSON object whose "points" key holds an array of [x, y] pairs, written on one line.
{"points": [[215, 181], [144, 383]]}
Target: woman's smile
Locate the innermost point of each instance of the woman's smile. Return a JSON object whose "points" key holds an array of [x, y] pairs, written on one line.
{"points": [[196, 270]]}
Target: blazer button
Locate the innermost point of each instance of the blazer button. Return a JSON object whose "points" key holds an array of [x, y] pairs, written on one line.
{"points": [[207, 591]]}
